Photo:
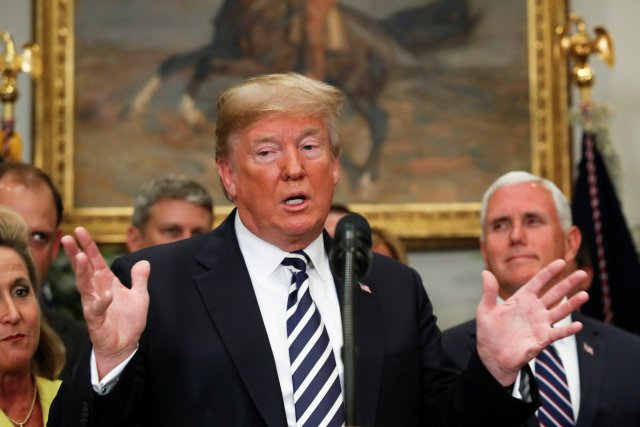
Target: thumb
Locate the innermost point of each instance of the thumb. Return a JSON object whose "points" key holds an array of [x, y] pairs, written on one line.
{"points": [[489, 292], [140, 275]]}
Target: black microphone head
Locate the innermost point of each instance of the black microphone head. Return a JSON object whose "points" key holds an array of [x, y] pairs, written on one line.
{"points": [[353, 234]]}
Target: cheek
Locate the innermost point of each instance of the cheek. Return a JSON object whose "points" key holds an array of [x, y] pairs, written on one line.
{"points": [[34, 324]]}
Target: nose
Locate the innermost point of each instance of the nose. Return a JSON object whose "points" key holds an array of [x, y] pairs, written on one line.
{"points": [[8, 311], [518, 233], [292, 166]]}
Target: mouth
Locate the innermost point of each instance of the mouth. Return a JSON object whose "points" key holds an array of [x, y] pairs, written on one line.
{"points": [[295, 200], [519, 257], [13, 338]]}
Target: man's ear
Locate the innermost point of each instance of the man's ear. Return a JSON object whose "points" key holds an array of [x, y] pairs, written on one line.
{"points": [[573, 241], [226, 175], [133, 238]]}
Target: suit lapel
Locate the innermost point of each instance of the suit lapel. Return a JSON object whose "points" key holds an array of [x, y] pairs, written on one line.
{"points": [[592, 355], [232, 305], [369, 338]]}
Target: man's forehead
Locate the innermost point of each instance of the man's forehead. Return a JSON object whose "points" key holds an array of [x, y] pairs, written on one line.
{"points": [[32, 201], [520, 200]]}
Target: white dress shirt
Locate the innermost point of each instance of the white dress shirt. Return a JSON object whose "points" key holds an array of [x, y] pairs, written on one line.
{"points": [[271, 282], [568, 352]]}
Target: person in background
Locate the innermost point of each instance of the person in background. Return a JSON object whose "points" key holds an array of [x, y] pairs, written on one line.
{"points": [[169, 208], [336, 213], [29, 191], [242, 325], [31, 354], [386, 243], [526, 222]]}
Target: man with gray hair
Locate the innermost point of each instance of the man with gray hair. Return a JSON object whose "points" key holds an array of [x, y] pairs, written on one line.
{"points": [[169, 208], [526, 223]]}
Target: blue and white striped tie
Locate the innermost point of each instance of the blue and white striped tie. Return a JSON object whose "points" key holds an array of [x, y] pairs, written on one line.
{"points": [[556, 409], [316, 385]]}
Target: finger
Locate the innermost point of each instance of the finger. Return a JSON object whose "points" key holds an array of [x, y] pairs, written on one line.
{"points": [[140, 276], [564, 331], [562, 288], [489, 292], [545, 275], [91, 249], [96, 295], [70, 248], [84, 277], [100, 304], [563, 310]]}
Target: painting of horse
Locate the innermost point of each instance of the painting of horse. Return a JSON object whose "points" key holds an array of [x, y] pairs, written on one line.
{"points": [[434, 92]]}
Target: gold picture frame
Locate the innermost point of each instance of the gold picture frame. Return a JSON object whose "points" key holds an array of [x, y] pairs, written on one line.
{"points": [[421, 225]]}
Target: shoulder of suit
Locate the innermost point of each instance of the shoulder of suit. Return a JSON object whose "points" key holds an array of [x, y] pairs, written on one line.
{"points": [[607, 330], [463, 329]]}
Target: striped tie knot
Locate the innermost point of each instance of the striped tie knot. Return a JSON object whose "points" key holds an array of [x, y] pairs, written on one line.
{"points": [[316, 385], [556, 409], [296, 262]]}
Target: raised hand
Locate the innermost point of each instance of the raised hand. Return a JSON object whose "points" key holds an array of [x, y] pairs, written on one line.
{"points": [[511, 334], [115, 314]]}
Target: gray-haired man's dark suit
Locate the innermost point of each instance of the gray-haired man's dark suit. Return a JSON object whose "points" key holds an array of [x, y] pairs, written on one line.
{"points": [[609, 363]]}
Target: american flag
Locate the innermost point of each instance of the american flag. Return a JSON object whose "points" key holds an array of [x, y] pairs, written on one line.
{"points": [[364, 288]]}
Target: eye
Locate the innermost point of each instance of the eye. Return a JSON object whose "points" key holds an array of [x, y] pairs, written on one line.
{"points": [[311, 148], [500, 225], [21, 291], [266, 152], [534, 220], [40, 238], [173, 231]]}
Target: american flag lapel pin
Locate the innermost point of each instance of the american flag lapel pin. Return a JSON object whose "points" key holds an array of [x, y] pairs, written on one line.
{"points": [[364, 288], [587, 348]]}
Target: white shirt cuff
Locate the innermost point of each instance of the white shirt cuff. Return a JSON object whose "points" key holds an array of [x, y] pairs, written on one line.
{"points": [[109, 381]]}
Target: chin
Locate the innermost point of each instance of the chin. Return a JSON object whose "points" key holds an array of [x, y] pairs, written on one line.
{"points": [[302, 226]]}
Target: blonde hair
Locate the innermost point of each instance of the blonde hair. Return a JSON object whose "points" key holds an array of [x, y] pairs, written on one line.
{"points": [[289, 93], [48, 359]]}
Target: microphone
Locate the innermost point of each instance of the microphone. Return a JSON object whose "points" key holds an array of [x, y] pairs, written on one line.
{"points": [[352, 239], [350, 259]]}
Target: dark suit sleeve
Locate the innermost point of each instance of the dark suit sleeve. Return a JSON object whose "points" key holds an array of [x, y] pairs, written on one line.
{"points": [[76, 403], [473, 398]]}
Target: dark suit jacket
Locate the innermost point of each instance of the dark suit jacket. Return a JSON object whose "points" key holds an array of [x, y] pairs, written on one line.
{"points": [[73, 334], [609, 362], [205, 358]]}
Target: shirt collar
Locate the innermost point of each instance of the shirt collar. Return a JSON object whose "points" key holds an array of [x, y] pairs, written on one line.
{"points": [[262, 258]]}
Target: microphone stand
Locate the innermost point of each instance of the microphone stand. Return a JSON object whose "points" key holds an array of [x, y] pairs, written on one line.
{"points": [[348, 349]]}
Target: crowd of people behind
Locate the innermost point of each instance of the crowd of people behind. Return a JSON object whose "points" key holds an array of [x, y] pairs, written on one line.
{"points": [[277, 156]]}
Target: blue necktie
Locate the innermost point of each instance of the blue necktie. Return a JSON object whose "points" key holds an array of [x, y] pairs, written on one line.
{"points": [[556, 409], [316, 384]]}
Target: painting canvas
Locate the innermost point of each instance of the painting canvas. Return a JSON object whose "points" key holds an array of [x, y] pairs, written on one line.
{"points": [[438, 92]]}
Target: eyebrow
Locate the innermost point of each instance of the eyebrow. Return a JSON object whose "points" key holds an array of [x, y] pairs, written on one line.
{"points": [[21, 281], [529, 214], [270, 138]]}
